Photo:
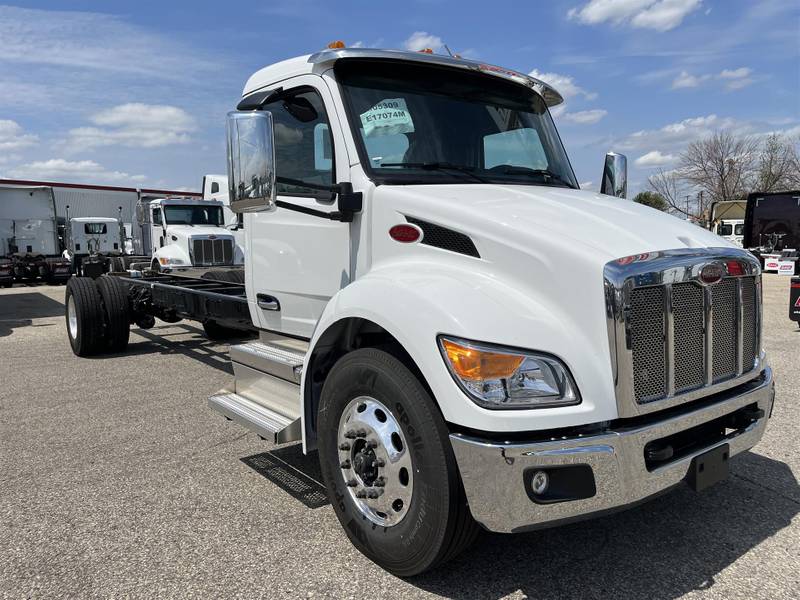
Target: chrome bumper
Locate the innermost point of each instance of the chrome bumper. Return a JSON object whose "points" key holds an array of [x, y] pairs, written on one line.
{"points": [[493, 472]]}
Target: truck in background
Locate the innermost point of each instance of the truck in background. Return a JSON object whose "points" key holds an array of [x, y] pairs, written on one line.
{"points": [[29, 236], [180, 233], [731, 230], [407, 221], [772, 229]]}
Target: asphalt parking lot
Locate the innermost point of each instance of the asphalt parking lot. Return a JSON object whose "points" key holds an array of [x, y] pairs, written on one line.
{"points": [[117, 480]]}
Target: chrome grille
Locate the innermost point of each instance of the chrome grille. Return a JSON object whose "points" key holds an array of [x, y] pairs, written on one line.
{"points": [[207, 252], [724, 326], [687, 308], [672, 350], [749, 320], [647, 342]]}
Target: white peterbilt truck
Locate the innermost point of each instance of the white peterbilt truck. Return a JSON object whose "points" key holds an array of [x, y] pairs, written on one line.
{"points": [[180, 233], [466, 337]]}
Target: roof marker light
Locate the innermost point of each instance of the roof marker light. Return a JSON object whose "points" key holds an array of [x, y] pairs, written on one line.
{"points": [[336, 44]]}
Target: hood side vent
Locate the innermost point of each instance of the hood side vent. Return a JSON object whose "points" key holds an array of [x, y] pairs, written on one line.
{"points": [[444, 238]]}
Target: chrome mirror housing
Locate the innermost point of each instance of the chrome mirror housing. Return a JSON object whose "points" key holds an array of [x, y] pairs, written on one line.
{"points": [[615, 175], [251, 161]]}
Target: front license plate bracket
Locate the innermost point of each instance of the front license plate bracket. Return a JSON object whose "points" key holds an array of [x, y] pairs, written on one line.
{"points": [[709, 468]]}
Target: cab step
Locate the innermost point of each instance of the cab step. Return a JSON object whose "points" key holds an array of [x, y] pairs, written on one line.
{"points": [[267, 423], [277, 360]]}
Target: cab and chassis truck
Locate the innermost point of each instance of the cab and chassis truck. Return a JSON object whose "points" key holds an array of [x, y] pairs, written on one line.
{"points": [[466, 337]]}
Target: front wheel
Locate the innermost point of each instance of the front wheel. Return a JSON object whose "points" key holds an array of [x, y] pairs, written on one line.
{"points": [[388, 465]]}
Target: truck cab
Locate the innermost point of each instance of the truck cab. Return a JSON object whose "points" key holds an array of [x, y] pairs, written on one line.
{"points": [[466, 337], [181, 233], [732, 230]]}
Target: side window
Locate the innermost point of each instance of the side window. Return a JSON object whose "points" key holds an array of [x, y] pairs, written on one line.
{"points": [[156, 216], [516, 147], [303, 144]]}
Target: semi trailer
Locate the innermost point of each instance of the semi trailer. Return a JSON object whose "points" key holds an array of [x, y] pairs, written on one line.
{"points": [[29, 236], [466, 337]]}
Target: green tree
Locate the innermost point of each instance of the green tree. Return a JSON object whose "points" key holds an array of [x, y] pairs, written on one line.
{"points": [[653, 200]]}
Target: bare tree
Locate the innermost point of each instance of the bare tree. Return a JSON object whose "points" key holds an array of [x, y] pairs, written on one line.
{"points": [[670, 185], [722, 166], [778, 165]]}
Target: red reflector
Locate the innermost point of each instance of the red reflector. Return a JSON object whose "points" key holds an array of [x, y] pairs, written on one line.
{"points": [[735, 268], [405, 233]]}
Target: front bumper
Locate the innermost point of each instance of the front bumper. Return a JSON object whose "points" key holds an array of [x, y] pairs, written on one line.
{"points": [[494, 472]]}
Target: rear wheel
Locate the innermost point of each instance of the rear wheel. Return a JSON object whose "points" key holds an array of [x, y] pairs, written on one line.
{"points": [[389, 467], [117, 312], [84, 316]]}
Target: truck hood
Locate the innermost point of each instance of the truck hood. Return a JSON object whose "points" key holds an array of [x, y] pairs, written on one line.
{"points": [[189, 231], [550, 217]]}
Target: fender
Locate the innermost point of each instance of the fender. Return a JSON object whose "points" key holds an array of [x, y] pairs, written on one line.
{"points": [[417, 301]]}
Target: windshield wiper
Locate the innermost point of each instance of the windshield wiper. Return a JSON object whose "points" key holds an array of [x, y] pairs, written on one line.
{"points": [[438, 166], [544, 173]]}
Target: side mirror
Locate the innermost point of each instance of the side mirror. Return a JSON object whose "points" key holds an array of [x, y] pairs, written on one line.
{"points": [[615, 175], [251, 161]]}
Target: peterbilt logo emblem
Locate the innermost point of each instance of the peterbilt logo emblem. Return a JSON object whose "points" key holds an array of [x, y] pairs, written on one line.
{"points": [[711, 273], [212, 237]]}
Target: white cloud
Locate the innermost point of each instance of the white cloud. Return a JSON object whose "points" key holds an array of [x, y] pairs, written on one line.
{"points": [[686, 80], [585, 117], [564, 84], [733, 79], [135, 125], [419, 40], [12, 136], [675, 136], [654, 159], [59, 169], [585, 185], [660, 15], [92, 41]]}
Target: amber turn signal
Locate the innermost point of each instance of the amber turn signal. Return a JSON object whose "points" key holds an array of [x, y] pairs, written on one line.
{"points": [[471, 363]]}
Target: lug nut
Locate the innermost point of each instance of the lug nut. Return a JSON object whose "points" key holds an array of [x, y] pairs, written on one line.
{"points": [[352, 483], [361, 494], [378, 462], [344, 446], [350, 434], [345, 464], [379, 482], [374, 493], [372, 444]]}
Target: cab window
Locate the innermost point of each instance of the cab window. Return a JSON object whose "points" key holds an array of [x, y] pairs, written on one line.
{"points": [[94, 228], [303, 144], [156, 216]]}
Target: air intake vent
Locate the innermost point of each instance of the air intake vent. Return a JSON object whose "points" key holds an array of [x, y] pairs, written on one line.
{"points": [[444, 238]]}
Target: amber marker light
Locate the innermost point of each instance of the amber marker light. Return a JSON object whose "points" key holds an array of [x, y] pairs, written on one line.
{"points": [[471, 363]]}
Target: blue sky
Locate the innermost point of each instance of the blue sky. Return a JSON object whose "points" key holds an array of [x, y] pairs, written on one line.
{"points": [[136, 93]]}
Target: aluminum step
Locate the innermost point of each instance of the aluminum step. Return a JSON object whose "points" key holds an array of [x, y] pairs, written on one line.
{"points": [[267, 423], [282, 362]]}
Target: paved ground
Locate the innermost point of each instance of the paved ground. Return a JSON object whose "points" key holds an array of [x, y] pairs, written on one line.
{"points": [[117, 480]]}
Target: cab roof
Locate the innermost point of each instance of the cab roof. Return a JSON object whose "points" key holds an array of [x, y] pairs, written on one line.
{"points": [[324, 60]]}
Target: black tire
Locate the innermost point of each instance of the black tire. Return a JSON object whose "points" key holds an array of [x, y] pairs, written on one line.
{"points": [[88, 336], [117, 312], [438, 524]]}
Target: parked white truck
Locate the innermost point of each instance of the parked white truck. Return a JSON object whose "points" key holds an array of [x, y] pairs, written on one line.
{"points": [[466, 337], [186, 232]]}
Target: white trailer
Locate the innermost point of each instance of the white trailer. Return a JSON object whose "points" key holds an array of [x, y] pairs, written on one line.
{"points": [[408, 218]]}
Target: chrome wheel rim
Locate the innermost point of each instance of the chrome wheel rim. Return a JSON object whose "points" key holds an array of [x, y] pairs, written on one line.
{"points": [[72, 318], [375, 461]]}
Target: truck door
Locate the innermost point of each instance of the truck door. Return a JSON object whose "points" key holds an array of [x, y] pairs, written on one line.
{"points": [[297, 261], [156, 229]]}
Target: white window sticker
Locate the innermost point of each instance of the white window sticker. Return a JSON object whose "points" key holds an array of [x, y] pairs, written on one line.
{"points": [[387, 117]]}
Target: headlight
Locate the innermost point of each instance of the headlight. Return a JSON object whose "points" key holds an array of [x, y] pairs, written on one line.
{"points": [[497, 377], [170, 261]]}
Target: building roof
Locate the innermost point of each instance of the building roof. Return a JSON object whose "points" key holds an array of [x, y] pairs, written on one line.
{"points": [[85, 186]]}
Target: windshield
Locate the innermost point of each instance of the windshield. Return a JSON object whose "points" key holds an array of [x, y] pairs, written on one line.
{"points": [[193, 215], [426, 124], [738, 229]]}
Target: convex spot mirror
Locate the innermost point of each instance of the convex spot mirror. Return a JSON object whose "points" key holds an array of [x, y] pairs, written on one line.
{"points": [[615, 175], [251, 161]]}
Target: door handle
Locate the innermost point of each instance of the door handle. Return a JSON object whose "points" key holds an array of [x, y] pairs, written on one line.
{"points": [[267, 302]]}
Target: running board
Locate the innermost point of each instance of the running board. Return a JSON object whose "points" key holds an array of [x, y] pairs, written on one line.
{"points": [[278, 361], [268, 424]]}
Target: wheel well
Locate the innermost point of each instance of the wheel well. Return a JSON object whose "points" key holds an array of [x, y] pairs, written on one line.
{"points": [[339, 339]]}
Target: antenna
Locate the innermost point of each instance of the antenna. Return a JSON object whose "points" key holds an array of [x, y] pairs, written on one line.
{"points": [[448, 50]]}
